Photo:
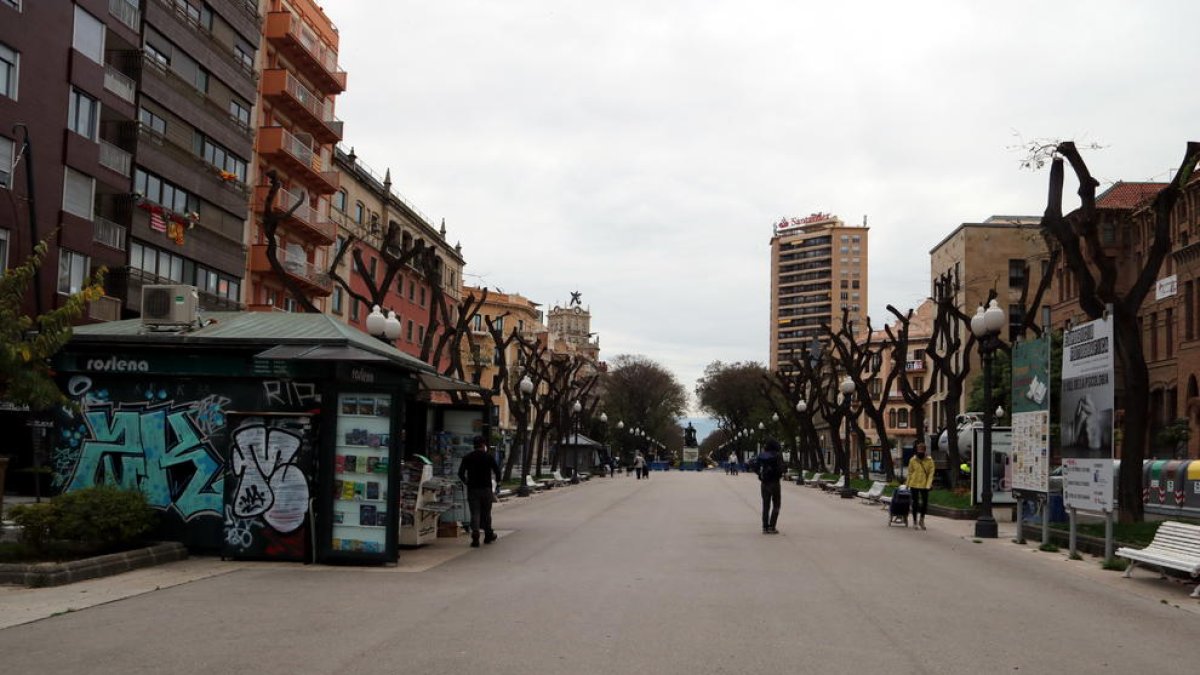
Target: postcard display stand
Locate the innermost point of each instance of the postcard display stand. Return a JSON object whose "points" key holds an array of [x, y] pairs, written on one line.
{"points": [[460, 428], [360, 473], [419, 506]]}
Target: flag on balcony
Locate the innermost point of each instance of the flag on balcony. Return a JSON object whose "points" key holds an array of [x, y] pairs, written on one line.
{"points": [[157, 222]]}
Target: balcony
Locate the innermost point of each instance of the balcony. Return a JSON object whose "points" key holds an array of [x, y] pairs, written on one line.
{"points": [[120, 84], [306, 220], [283, 90], [110, 234], [914, 366], [105, 309], [297, 158], [302, 47], [127, 13], [311, 279], [115, 158]]}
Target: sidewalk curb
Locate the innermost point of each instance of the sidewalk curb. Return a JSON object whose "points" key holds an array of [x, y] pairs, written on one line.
{"points": [[56, 574]]}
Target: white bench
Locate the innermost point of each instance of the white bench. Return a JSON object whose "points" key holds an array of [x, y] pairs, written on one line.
{"points": [[1175, 546], [874, 493], [533, 484], [831, 488], [815, 481]]}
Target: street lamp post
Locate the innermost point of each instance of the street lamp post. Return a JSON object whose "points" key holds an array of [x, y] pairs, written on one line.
{"points": [[526, 389], [986, 325], [604, 443], [801, 408], [575, 410], [847, 389]]}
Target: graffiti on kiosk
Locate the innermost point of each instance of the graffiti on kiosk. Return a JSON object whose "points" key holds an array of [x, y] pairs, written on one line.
{"points": [[289, 393], [154, 445], [270, 484]]}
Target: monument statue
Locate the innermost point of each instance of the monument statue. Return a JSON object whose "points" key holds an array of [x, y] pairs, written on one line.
{"points": [[689, 436]]}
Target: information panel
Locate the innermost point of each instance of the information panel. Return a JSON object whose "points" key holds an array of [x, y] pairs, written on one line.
{"points": [[1087, 416], [1030, 407]]}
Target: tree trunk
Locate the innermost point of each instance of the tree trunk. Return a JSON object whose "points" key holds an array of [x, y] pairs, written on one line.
{"points": [[1136, 422]]}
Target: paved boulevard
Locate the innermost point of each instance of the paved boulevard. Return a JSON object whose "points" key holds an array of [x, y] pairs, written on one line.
{"points": [[669, 575]]}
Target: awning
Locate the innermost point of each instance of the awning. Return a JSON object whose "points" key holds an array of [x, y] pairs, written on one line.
{"points": [[436, 382], [320, 353]]}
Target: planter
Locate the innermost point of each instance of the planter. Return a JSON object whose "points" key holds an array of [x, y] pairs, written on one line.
{"points": [[56, 574]]}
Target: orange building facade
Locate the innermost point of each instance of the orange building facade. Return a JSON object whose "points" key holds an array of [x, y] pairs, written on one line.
{"points": [[296, 135]]}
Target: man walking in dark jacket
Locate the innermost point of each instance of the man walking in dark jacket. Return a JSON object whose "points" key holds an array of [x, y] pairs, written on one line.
{"points": [[476, 471], [769, 467]]}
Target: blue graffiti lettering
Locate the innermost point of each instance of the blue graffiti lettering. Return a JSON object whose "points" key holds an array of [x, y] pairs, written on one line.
{"points": [[157, 450]]}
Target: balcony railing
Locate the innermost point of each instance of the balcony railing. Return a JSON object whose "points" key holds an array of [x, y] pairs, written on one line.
{"points": [[318, 223], [115, 158], [279, 82], [107, 232], [126, 12], [285, 28], [298, 157], [119, 83], [105, 309], [299, 268], [914, 366]]}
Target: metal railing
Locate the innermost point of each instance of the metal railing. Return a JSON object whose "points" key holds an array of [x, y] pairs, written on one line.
{"points": [[302, 152], [105, 309], [313, 45], [119, 83], [115, 158], [314, 104], [105, 231], [126, 12], [300, 267]]}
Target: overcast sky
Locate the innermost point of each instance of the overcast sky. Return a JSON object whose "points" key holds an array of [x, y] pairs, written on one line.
{"points": [[639, 150]]}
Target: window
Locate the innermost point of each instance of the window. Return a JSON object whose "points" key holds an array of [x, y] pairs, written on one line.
{"points": [[420, 333], [164, 192], [72, 271], [422, 296], [78, 193], [354, 309], [216, 154], [201, 81], [902, 418], [9, 60], [240, 112], [244, 55], [156, 55], [410, 292], [1170, 332], [152, 122], [1016, 273], [1154, 336], [1016, 317], [89, 35], [409, 332], [3, 250], [339, 200], [358, 212], [1189, 309], [7, 150], [477, 323], [83, 114], [336, 302]]}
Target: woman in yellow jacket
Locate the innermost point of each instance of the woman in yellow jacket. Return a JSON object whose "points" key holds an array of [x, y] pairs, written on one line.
{"points": [[920, 481]]}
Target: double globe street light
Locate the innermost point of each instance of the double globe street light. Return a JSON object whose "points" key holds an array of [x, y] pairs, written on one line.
{"points": [[847, 389], [386, 328], [986, 325]]}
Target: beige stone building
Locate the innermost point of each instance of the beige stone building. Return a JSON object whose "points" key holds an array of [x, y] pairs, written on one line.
{"points": [[979, 257], [898, 417], [818, 266], [511, 312]]}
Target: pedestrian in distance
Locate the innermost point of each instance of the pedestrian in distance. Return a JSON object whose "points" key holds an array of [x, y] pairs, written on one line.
{"points": [[769, 467], [476, 471], [920, 481], [639, 465]]}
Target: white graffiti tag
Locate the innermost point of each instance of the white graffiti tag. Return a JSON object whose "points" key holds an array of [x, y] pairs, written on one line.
{"points": [[269, 483], [239, 532]]}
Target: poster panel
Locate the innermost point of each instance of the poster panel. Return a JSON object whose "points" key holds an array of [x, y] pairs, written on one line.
{"points": [[1030, 407], [1001, 465], [1087, 416]]}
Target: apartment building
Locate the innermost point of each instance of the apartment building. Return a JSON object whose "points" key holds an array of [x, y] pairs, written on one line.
{"points": [[296, 135], [367, 207], [818, 267], [139, 159], [898, 417], [998, 253], [1170, 315]]}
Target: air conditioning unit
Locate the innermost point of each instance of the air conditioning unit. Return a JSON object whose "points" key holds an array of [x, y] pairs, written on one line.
{"points": [[169, 305]]}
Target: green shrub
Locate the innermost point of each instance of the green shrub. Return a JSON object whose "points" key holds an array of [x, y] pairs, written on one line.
{"points": [[36, 522], [101, 517]]}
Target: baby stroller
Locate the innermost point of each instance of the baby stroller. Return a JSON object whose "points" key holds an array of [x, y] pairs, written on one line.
{"points": [[898, 509]]}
